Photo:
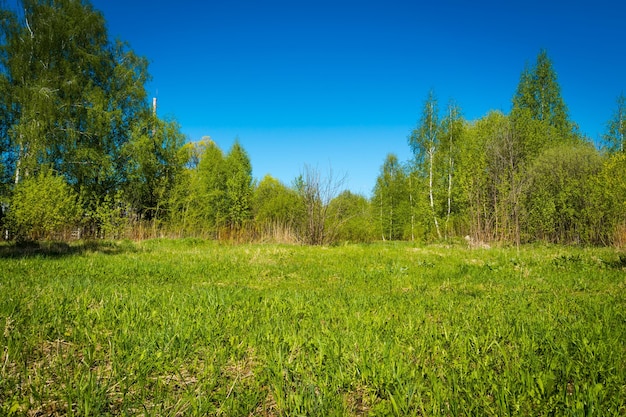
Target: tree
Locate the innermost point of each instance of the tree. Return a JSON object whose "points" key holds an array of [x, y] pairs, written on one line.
{"points": [[616, 128], [183, 218], [208, 191], [451, 134], [424, 142], [489, 172], [539, 93], [192, 151], [611, 188], [198, 203], [153, 164], [559, 203], [471, 180], [71, 96], [349, 216], [278, 210], [6, 111], [392, 199], [539, 115], [238, 187], [504, 166], [316, 193], [184, 196]]}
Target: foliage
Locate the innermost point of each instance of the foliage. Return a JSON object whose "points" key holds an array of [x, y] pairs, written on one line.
{"points": [[153, 164], [213, 193], [487, 175], [615, 135], [201, 205], [238, 187], [190, 327], [424, 141], [610, 197], [73, 101], [42, 206], [187, 213], [110, 218], [539, 93], [72, 95], [392, 200], [275, 204], [452, 131], [349, 215], [559, 192]]}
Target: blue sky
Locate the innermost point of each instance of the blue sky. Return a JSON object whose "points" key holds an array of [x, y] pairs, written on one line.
{"points": [[338, 85]]}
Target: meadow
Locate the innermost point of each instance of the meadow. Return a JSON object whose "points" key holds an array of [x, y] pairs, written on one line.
{"points": [[192, 327]]}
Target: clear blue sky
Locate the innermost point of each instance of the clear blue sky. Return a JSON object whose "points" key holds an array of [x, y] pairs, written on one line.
{"points": [[339, 84]]}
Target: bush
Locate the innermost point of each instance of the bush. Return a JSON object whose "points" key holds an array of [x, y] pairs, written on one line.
{"points": [[42, 206], [349, 219], [560, 198]]}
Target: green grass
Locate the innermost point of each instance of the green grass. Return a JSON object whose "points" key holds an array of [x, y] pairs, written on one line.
{"points": [[192, 327]]}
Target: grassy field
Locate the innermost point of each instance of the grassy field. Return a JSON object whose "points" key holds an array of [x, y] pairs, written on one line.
{"points": [[191, 327]]}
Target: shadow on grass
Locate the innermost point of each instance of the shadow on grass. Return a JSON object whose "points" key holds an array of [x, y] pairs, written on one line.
{"points": [[61, 249], [619, 263]]}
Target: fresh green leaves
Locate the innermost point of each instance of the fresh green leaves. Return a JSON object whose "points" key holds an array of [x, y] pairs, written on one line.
{"points": [[392, 202], [238, 187], [214, 194], [43, 207], [539, 92], [615, 136], [75, 101], [153, 166]]}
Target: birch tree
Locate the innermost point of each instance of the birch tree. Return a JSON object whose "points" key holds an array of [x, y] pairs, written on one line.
{"points": [[71, 95], [452, 129], [424, 142]]}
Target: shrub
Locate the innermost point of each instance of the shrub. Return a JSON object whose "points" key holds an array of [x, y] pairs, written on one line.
{"points": [[42, 206]]}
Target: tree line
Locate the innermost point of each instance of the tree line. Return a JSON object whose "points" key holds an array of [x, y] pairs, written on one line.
{"points": [[84, 155], [526, 176]]}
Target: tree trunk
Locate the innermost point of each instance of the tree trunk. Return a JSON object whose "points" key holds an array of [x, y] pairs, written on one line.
{"points": [[412, 210], [450, 167], [431, 154]]}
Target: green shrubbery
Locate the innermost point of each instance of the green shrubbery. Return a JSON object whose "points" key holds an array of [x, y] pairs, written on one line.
{"points": [[74, 101], [43, 206]]}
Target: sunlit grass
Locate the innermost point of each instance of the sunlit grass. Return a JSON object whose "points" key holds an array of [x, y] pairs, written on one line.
{"points": [[192, 327]]}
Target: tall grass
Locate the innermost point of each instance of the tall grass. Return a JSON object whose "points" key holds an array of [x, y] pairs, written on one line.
{"points": [[192, 327]]}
